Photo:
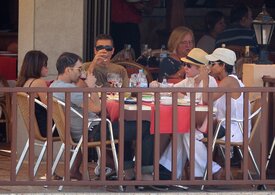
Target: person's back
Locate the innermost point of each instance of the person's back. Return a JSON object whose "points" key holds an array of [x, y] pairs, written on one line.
{"points": [[239, 33], [214, 24]]}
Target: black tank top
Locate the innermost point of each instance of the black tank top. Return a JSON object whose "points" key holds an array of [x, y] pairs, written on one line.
{"points": [[41, 117]]}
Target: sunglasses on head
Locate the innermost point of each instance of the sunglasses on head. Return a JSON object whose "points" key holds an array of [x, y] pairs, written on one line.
{"points": [[186, 64], [106, 47]]}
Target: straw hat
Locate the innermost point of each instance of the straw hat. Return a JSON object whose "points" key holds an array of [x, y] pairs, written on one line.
{"points": [[196, 57], [223, 54]]}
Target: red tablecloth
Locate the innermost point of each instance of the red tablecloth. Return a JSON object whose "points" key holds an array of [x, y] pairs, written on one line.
{"points": [[165, 116], [8, 67], [112, 107]]}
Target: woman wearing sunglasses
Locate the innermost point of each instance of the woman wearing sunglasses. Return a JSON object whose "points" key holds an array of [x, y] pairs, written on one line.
{"points": [[193, 62], [101, 64], [221, 65]]}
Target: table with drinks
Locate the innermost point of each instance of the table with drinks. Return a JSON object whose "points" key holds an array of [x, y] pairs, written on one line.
{"points": [[148, 112]]}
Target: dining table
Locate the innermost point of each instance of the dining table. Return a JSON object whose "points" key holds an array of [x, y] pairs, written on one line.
{"points": [[165, 114]]}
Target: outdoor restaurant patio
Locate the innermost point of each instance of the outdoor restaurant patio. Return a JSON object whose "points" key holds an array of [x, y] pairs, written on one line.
{"points": [[24, 182]]}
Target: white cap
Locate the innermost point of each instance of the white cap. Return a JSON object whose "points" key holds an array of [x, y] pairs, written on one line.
{"points": [[223, 54]]}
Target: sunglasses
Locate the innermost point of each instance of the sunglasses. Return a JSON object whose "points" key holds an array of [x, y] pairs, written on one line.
{"points": [[186, 64], [106, 47], [212, 63]]}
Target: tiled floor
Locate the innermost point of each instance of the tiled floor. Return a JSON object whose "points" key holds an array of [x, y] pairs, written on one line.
{"points": [[5, 168]]}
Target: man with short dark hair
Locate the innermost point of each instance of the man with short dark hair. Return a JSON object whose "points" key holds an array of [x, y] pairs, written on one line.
{"points": [[101, 64], [69, 66]]}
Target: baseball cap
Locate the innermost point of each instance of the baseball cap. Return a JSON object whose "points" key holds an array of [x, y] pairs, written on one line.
{"points": [[223, 54]]}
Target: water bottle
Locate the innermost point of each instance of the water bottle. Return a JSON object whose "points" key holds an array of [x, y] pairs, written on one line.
{"points": [[133, 80], [163, 53], [141, 79], [164, 84], [127, 52]]}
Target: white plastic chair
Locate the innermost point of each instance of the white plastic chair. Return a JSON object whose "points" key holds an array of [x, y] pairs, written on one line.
{"points": [[221, 143], [24, 105], [59, 119]]}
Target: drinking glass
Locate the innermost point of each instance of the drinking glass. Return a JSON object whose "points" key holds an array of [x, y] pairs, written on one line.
{"points": [[83, 75], [118, 82], [114, 80]]}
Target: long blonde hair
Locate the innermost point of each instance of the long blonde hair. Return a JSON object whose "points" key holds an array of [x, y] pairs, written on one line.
{"points": [[176, 37]]}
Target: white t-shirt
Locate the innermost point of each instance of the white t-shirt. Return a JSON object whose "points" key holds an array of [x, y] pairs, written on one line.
{"points": [[190, 82]]}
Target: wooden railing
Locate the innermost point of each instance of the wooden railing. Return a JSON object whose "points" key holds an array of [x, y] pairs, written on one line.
{"points": [[14, 180]]}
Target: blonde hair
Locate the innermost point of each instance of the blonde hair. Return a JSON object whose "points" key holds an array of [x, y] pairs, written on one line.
{"points": [[176, 37]]}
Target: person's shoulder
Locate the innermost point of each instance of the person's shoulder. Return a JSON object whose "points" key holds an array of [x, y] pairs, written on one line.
{"points": [[39, 83], [169, 60], [58, 83], [117, 67], [231, 81]]}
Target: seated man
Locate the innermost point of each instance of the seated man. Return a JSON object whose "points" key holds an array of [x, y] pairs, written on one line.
{"points": [[69, 67], [101, 65]]}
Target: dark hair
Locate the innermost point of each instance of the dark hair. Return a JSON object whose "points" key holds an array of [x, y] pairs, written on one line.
{"points": [[211, 19], [104, 37], [32, 65], [65, 60], [238, 12], [228, 68]]}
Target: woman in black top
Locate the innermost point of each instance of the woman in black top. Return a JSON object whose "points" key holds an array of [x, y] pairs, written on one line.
{"points": [[34, 67], [180, 42]]}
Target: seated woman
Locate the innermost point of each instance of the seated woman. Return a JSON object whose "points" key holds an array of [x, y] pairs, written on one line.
{"points": [[222, 62], [180, 42], [194, 61], [34, 67]]}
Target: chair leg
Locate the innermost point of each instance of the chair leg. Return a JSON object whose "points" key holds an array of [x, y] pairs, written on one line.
{"points": [[254, 161], [204, 178], [39, 159], [75, 151], [241, 154], [270, 153], [114, 151], [22, 157], [58, 156]]}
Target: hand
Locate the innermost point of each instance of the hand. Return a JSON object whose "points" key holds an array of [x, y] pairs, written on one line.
{"points": [[90, 80], [154, 84], [181, 72], [203, 75], [101, 57]]}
